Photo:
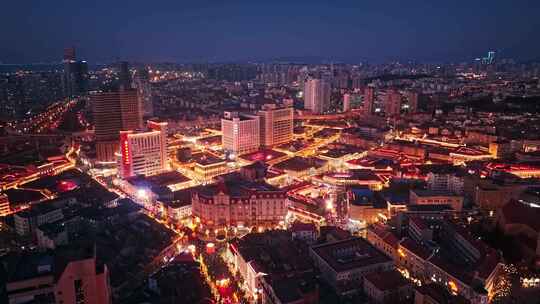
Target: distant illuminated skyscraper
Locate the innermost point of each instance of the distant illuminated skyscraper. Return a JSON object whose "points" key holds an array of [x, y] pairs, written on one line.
{"points": [[491, 57], [392, 104], [369, 100], [124, 75], [75, 76], [317, 95], [412, 98], [113, 112]]}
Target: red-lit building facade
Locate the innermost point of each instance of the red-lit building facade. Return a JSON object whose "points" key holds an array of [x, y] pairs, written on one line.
{"points": [[143, 153]]}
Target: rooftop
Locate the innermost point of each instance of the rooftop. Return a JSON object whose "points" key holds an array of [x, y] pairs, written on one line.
{"points": [[429, 208], [180, 198], [207, 159], [385, 234], [337, 153], [299, 226], [388, 280], [291, 289], [428, 193], [211, 140], [515, 212], [298, 163], [441, 295], [236, 188], [263, 155], [272, 252], [42, 208], [168, 178], [159, 180], [350, 254], [335, 232], [415, 248], [27, 265]]}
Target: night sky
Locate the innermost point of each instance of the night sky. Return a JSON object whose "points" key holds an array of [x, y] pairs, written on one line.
{"points": [[229, 30]]}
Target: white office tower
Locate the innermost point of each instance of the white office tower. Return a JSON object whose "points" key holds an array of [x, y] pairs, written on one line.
{"points": [[144, 153], [276, 125], [241, 133], [317, 95]]}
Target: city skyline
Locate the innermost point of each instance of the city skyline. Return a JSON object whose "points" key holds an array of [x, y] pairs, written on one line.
{"points": [[207, 31], [301, 152]]}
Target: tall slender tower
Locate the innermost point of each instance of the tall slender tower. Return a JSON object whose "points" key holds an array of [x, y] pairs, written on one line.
{"points": [[114, 112]]}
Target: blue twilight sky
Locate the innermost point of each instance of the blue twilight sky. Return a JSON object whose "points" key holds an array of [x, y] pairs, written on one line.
{"points": [[231, 30]]}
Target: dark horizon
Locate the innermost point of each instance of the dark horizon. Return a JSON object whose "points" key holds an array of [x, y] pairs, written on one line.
{"points": [[209, 31]]}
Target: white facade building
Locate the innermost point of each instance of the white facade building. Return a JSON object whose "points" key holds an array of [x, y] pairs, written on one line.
{"points": [[276, 125], [143, 153], [316, 95], [241, 133]]}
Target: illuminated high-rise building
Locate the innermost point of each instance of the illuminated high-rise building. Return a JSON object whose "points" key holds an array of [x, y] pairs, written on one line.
{"points": [[491, 57], [369, 100], [412, 98], [124, 75], [75, 76], [276, 125], [392, 103], [143, 153], [113, 112], [241, 133], [317, 95]]}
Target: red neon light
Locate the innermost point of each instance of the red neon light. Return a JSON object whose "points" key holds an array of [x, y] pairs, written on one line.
{"points": [[126, 153]]}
